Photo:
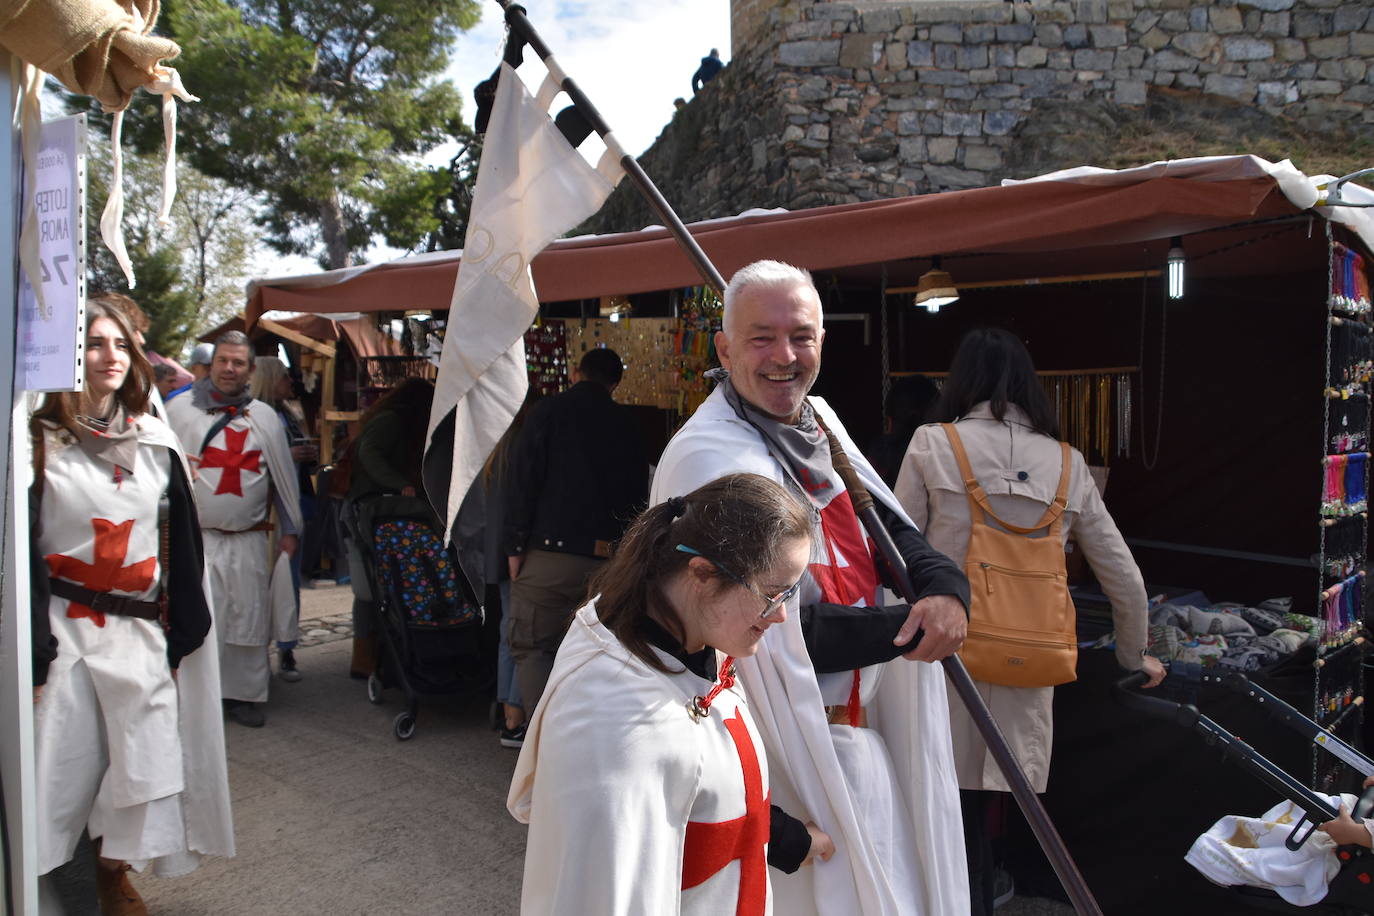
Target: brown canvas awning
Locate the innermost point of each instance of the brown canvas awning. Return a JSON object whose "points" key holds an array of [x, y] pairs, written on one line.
{"points": [[1082, 212]]}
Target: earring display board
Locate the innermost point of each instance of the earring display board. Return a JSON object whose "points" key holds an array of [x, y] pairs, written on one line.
{"points": [[1343, 511], [546, 358]]}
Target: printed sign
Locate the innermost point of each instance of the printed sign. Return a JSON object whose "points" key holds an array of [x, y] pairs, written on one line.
{"points": [[51, 335]]}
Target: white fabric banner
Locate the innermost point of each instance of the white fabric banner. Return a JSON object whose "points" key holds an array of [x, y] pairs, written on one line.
{"points": [[532, 186]]}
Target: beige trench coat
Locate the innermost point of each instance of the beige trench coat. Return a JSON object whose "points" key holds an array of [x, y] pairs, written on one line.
{"points": [[1019, 468]]}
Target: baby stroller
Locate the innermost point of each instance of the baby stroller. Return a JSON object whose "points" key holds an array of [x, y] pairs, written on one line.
{"points": [[428, 619], [1351, 891]]}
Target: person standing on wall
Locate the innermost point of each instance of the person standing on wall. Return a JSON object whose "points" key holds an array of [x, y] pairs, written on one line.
{"points": [[578, 475]]}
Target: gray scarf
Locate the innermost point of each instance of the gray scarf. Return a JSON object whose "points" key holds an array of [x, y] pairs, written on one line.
{"points": [[205, 396], [800, 448], [113, 441]]}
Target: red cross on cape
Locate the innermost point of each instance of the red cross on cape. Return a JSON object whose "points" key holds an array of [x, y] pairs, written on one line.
{"points": [[233, 459], [712, 846], [107, 572]]}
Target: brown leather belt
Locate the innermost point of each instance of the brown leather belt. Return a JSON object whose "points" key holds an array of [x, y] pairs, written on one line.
{"points": [[105, 602], [260, 526]]}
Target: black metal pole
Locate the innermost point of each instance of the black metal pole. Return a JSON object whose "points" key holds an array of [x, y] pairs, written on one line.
{"points": [[1041, 825], [520, 24]]}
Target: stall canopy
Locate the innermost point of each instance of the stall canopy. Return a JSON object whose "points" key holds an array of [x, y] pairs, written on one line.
{"points": [[1086, 210], [361, 333]]}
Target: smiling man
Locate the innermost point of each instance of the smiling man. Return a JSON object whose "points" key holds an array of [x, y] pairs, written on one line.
{"points": [[243, 464], [885, 794]]}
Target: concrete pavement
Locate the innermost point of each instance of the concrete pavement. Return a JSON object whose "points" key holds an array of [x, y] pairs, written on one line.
{"points": [[333, 815]]}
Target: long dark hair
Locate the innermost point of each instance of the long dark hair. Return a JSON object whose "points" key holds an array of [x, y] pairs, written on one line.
{"points": [[993, 365], [62, 408], [741, 520], [411, 401]]}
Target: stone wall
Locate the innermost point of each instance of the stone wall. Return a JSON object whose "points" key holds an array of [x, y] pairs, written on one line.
{"points": [[838, 102]]}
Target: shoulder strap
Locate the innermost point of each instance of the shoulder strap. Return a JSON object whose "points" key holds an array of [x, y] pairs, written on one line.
{"points": [[978, 497], [223, 420]]}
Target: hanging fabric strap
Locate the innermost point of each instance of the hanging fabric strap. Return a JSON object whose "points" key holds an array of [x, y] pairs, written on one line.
{"points": [[978, 497]]}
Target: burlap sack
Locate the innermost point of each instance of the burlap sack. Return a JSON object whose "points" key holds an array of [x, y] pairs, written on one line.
{"points": [[99, 48]]}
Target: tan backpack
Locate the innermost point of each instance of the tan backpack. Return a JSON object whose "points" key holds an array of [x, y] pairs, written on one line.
{"points": [[1021, 630]]}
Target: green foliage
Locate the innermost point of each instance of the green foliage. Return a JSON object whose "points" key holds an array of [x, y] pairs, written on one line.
{"points": [[323, 107]]}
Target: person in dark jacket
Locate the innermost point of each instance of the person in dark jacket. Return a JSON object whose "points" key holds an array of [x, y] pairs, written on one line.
{"points": [[710, 66], [579, 474]]}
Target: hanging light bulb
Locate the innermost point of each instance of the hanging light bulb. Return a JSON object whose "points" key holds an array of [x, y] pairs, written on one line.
{"points": [[936, 288], [1174, 262]]}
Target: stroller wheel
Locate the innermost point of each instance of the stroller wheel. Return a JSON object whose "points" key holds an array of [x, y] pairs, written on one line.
{"points": [[404, 726], [374, 689]]}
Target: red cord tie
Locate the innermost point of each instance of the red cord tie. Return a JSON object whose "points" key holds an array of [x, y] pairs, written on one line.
{"points": [[700, 707]]}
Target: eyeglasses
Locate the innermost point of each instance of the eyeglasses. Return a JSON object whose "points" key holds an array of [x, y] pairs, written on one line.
{"points": [[771, 603]]}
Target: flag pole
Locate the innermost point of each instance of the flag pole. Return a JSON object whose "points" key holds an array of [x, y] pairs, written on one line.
{"points": [[520, 24]]}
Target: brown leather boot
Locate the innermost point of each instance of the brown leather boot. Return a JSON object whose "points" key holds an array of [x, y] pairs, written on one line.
{"points": [[116, 892], [364, 656]]}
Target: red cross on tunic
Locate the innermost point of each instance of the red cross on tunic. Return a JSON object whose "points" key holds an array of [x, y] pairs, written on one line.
{"points": [[233, 459], [712, 846], [107, 572], [856, 582]]}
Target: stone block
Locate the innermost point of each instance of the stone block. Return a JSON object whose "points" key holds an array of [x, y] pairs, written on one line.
{"points": [[1175, 21], [962, 93], [1290, 49], [1061, 13], [1188, 81], [1000, 123], [946, 56], [1356, 69], [920, 54], [883, 22], [1362, 44], [758, 155], [1094, 60], [842, 106], [972, 57], [818, 132], [953, 34], [1017, 32], [932, 123], [1276, 25], [1060, 59], [1003, 56], [962, 124], [861, 50], [1253, 18], [1303, 70], [1129, 92], [1166, 77], [1131, 58], [1154, 39], [1311, 25], [1144, 21], [912, 149], [1359, 95], [1231, 87], [1031, 56], [813, 89], [792, 133], [1197, 18], [1197, 44], [983, 158], [877, 150], [1119, 10], [1092, 12], [949, 178], [1226, 20], [840, 12], [980, 34], [1002, 91], [1331, 70], [1329, 48], [993, 13], [1248, 48], [1262, 70], [1310, 88], [1107, 36], [894, 55], [942, 149], [1275, 94], [1351, 18], [980, 77], [800, 31], [1076, 36], [944, 77], [1049, 35], [809, 53], [1171, 60], [1271, 6]]}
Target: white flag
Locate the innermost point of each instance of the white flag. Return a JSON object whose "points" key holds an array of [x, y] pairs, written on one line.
{"points": [[532, 186]]}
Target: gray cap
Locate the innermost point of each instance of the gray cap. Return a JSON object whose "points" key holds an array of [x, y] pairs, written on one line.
{"points": [[202, 355]]}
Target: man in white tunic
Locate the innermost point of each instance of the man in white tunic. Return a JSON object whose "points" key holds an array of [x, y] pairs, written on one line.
{"points": [[885, 794], [243, 465]]}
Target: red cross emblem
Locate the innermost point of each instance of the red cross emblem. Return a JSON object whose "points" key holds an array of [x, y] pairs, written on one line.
{"points": [[107, 572], [233, 459], [858, 581], [712, 846]]}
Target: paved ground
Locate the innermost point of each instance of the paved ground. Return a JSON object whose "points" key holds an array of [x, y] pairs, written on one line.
{"points": [[334, 815]]}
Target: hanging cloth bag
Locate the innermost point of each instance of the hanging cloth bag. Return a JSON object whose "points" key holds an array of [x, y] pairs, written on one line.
{"points": [[1021, 630]]}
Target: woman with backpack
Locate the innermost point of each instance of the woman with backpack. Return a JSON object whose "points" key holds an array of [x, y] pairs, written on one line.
{"points": [[996, 431]]}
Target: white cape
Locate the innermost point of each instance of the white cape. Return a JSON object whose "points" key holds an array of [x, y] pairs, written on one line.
{"points": [[907, 707]]}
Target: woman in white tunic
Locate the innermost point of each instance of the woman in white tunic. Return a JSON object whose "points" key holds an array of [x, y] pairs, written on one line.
{"points": [[1003, 417], [123, 751], [642, 775]]}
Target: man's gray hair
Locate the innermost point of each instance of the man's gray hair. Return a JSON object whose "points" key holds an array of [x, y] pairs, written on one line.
{"points": [[763, 275], [235, 339]]}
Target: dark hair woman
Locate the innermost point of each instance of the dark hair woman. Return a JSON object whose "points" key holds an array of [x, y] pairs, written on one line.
{"points": [[1004, 430], [635, 753], [125, 750]]}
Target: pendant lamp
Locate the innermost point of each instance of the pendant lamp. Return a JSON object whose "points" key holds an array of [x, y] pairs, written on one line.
{"points": [[936, 288]]}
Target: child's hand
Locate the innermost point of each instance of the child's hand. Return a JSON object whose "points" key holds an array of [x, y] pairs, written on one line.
{"points": [[1345, 831]]}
